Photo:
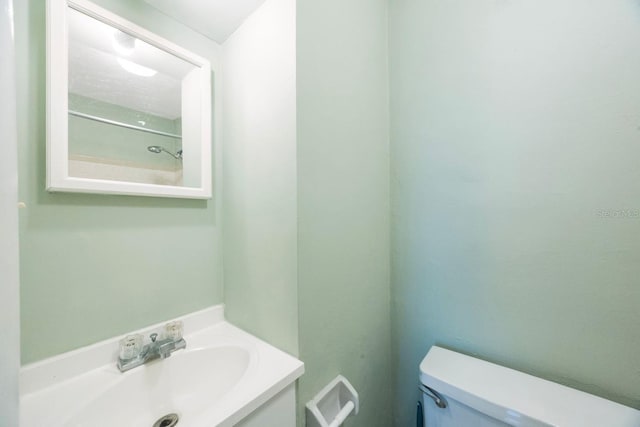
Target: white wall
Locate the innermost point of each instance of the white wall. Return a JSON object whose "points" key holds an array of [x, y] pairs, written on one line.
{"points": [[9, 284], [260, 248], [516, 189]]}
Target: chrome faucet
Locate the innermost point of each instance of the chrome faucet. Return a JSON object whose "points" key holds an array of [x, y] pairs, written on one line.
{"points": [[154, 350]]}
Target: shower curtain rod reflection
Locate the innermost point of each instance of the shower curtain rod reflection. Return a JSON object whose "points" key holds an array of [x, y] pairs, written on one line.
{"points": [[124, 125]]}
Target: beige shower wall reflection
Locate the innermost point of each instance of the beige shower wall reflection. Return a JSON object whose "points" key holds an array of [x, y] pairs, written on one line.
{"points": [[114, 170]]}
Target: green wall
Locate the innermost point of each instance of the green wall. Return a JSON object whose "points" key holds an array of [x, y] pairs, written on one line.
{"points": [[260, 225], [515, 189], [343, 202], [95, 266]]}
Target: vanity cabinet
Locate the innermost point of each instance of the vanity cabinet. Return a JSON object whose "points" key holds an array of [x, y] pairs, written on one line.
{"points": [[279, 411]]}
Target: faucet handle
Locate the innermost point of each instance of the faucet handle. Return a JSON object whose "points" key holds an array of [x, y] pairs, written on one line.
{"points": [[174, 330], [130, 347], [153, 337]]}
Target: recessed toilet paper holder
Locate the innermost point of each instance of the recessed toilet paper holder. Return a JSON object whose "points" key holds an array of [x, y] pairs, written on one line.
{"points": [[333, 404]]}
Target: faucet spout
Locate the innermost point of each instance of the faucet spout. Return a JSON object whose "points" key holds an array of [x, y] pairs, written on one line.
{"points": [[165, 349], [156, 349]]}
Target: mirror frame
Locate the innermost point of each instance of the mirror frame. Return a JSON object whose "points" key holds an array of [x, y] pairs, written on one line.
{"points": [[58, 179]]}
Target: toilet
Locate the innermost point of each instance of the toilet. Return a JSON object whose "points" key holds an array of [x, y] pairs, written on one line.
{"points": [[462, 391]]}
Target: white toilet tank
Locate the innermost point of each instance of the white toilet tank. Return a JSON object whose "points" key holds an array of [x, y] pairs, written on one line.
{"points": [[481, 394]]}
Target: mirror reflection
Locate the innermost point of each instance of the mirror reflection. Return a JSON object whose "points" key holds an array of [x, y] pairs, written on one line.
{"points": [[126, 101]]}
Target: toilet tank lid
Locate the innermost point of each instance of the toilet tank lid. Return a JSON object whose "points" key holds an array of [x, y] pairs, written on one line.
{"points": [[518, 398]]}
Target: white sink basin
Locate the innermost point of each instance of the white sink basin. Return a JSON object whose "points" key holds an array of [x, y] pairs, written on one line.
{"points": [[222, 376], [184, 384]]}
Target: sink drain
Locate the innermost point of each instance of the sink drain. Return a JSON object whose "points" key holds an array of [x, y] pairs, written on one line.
{"points": [[168, 420]]}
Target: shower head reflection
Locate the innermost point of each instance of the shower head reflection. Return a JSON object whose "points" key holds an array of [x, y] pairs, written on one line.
{"points": [[157, 149]]}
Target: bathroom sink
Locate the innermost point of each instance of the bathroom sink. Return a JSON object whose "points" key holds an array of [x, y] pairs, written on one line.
{"points": [[184, 384], [223, 375]]}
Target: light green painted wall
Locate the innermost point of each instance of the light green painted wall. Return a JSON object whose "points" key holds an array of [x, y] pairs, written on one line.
{"points": [[514, 136], [96, 266], [260, 247], [343, 202]]}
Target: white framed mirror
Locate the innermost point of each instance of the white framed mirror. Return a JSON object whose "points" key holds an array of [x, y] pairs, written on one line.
{"points": [[128, 112]]}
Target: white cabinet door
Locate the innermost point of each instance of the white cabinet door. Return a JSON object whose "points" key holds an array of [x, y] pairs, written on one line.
{"points": [[279, 411]]}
